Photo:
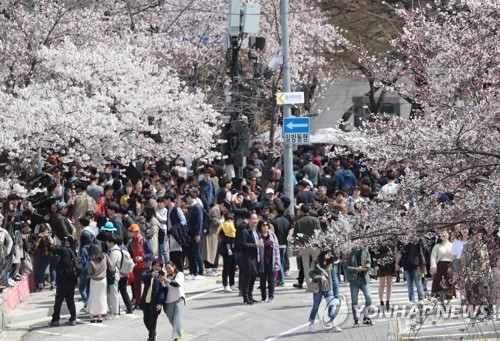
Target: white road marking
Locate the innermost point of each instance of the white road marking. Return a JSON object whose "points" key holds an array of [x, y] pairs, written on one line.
{"points": [[60, 334], [130, 316], [288, 332], [203, 294]]}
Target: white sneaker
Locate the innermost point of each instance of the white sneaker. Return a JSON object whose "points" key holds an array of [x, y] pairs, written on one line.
{"points": [[313, 328], [227, 289], [336, 329], [199, 277], [271, 300], [421, 302], [189, 277], [234, 288], [11, 282]]}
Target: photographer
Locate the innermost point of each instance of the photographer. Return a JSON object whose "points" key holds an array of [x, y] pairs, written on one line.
{"points": [[67, 276]]}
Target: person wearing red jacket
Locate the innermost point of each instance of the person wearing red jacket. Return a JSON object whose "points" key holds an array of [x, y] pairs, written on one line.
{"points": [[141, 251]]}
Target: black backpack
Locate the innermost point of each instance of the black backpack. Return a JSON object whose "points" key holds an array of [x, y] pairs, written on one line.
{"points": [[74, 269], [179, 231]]}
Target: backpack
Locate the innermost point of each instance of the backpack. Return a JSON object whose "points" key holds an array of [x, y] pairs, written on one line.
{"points": [[343, 182], [126, 264], [74, 268], [180, 233]]}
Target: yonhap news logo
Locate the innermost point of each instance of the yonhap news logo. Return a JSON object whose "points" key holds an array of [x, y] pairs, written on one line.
{"points": [[340, 309]]}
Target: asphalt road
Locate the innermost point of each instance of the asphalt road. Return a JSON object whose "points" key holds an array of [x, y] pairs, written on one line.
{"points": [[216, 315]]}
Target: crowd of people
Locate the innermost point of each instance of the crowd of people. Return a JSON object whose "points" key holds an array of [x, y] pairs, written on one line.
{"points": [[141, 228]]}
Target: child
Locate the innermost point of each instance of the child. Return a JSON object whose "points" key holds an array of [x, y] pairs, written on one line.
{"points": [[226, 249], [153, 296]]}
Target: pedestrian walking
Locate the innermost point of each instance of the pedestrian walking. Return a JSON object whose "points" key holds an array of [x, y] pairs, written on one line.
{"points": [[358, 266], [441, 257], [321, 281]]}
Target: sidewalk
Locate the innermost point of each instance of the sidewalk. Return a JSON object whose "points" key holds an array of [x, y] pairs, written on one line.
{"points": [[37, 308]]}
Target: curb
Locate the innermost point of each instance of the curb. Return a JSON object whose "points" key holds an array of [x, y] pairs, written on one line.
{"points": [[19, 315]]}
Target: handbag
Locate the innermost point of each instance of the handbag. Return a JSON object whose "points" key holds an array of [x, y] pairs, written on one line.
{"points": [[313, 287], [110, 273]]}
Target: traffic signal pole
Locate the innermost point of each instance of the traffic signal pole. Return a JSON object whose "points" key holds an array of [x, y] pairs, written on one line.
{"points": [[287, 110]]}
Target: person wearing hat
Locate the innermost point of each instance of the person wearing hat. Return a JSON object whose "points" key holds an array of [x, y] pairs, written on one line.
{"points": [[269, 196], [106, 230], [141, 251], [6, 244], [60, 223], [256, 173], [65, 290]]}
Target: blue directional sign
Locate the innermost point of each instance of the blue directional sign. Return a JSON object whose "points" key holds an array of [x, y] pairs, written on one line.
{"points": [[294, 125], [296, 130]]}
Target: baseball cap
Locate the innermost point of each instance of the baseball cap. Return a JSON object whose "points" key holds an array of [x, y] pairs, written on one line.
{"points": [[134, 228], [269, 191]]}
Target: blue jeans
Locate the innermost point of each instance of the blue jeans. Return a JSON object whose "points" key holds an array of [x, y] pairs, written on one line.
{"points": [[195, 260], [83, 285], [317, 297], [335, 280], [356, 285], [42, 261], [163, 249], [411, 277], [281, 273]]}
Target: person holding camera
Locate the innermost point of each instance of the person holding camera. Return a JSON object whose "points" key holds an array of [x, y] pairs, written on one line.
{"points": [[67, 276], [153, 296]]}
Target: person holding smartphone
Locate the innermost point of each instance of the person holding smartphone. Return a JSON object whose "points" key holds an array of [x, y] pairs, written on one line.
{"points": [[175, 300], [153, 296]]}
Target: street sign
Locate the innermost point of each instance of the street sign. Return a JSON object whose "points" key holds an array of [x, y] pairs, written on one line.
{"points": [[296, 130], [289, 98]]}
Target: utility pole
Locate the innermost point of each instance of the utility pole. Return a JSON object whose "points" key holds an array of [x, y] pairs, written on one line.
{"points": [[287, 110], [243, 20]]}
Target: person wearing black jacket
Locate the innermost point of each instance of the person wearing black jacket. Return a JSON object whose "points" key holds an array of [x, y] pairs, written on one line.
{"points": [[281, 228], [410, 260], [65, 285], [251, 241], [240, 226], [153, 296]]}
